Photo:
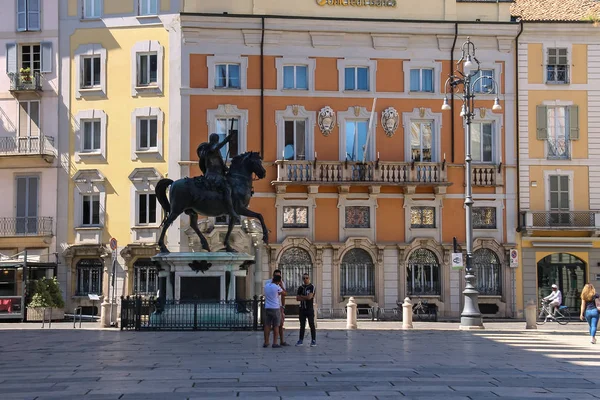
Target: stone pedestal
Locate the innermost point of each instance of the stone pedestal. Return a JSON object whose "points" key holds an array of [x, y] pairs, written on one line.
{"points": [[351, 314], [407, 314], [530, 315]]}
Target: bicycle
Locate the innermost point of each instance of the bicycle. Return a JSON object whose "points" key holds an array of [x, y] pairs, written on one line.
{"points": [[424, 311], [562, 314]]}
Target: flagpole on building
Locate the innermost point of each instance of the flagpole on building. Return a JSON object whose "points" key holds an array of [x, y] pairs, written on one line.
{"points": [[371, 118]]}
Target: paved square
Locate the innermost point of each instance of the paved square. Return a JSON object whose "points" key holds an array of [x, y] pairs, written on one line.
{"points": [[378, 361]]}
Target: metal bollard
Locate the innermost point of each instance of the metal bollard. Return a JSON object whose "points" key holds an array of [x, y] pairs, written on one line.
{"points": [[407, 314], [351, 314], [530, 315]]}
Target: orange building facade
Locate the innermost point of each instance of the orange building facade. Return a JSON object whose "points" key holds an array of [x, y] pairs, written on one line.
{"points": [[369, 215]]}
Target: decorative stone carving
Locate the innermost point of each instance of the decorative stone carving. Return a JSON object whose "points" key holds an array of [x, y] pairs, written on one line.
{"points": [[390, 120], [326, 120]]}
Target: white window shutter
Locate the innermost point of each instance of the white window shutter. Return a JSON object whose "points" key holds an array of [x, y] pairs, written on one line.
{"points": [[46, 56], [11, 58], [33, 15], [21, 15]]}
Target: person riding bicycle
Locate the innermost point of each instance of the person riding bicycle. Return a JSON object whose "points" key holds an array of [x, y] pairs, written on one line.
{"points": [[555, 299]]}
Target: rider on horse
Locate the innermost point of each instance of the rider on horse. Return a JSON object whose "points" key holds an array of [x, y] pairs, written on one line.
{"points": [[214, 169]]}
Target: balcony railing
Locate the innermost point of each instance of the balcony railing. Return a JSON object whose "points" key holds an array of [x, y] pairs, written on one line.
{"points": [[394, 173], [488, 175], [557, 74], [27, 145], [561, 220], [25, 226], [25, 82]]}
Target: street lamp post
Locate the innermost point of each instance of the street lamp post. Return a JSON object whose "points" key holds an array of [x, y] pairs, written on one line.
{"points": [[464, 82]]}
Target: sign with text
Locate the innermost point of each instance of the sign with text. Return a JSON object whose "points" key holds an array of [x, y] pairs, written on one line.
{"points": [[357, 3], [457, 261]]}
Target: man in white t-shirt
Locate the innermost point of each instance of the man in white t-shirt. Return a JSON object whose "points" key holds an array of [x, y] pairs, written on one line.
{"points": [[555, 299], [273, 291], [277, 272]]}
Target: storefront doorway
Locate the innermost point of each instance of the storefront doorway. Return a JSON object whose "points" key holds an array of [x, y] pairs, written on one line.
{"points": [[568, 272]]}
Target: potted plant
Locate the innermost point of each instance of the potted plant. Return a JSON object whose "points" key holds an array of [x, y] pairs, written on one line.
{"points": [[25, 74], [46, 295]]}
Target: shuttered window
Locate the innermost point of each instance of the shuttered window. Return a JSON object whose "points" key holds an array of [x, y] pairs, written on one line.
{"points": [[27, 204], [29, 118], [542, 122], [28, 15]]}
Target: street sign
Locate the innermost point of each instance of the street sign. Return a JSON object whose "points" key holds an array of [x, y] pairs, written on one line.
{"points": [[514, 258], [113, 244], [457, 261]]}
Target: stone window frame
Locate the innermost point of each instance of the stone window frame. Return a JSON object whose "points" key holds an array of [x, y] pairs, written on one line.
{"points": [[147, 112], [230, 111], [351, 200], [81, 52], [436, 66], [300, 200], [560, 172], [367, 245], [89, 182], [351, 115], [418, 115], [296, 112], [557, 44], [486, 115], [311, 66], [343, 63], [213, 61], [80, 117], [423, 200], [147, 47], [143, 181]]}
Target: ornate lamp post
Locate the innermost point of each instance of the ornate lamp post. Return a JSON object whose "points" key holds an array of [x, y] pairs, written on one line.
{"points": [[464, 82]]}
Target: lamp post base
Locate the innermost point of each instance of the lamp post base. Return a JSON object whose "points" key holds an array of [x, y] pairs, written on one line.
{"points": [[470, 318]]}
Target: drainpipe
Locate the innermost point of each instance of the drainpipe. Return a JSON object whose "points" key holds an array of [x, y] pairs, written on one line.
{"points": [[452, 93], [262, 88], [519, 217]]}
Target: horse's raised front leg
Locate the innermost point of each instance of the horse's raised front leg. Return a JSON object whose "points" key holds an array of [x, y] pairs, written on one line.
{"points": [[249, 213], [167, 223], [228, 247], [194, 225]]}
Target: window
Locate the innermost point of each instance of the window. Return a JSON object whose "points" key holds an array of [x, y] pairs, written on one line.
{"points": [[92, 135], [557, 68], [148, 7], [227, 76], [484, 217], [356, 78], [423, 274], [89, 276], [91, 72], [357, 274], [558, 125], [421, 80], [486, 266], [486, 83], [145, 277], [358, 217], [356, 139], [146, 209], [421, 141], [147, 136], [90, 210], [294, 263], [295, 140], [27, 205], [422, 217], [31, 57], [29, 119], [295, 77], [28, 15], [559, 200], [295, 217], [226, 126], [147, 69], [482, 142], [92, 8]]}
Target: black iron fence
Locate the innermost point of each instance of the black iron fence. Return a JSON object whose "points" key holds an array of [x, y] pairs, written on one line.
{"points": [[139, 314], [25, 226], [357, 279], [27, 145], [25, 81], [561, 219]]}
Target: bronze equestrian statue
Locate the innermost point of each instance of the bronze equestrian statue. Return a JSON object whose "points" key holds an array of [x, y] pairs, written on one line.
{"points": [[218, 192]]}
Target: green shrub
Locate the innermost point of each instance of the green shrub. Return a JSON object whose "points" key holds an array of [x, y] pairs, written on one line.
{"points": [[46, 293]]}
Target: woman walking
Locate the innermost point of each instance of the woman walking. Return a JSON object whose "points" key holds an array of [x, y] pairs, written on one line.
{"points": [[589, 310]]}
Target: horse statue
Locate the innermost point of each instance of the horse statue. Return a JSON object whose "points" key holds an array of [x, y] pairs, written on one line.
{"points": [[197, 196]]}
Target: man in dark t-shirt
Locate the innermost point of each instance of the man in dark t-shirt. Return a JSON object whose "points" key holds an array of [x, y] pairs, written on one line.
{"points": [[306, 295]]}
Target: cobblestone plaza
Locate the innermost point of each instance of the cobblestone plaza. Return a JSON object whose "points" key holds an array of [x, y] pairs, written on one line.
{"points": [[377, 361]]}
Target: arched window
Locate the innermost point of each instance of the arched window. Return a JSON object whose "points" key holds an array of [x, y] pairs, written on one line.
{"points": [[294, 262], [423, 274], [486, 267], [357, 274], [145, 277], [89, 276]]}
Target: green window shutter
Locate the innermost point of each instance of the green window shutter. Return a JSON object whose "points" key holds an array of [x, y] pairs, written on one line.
{"points": [[542, 122], [574, 122]]}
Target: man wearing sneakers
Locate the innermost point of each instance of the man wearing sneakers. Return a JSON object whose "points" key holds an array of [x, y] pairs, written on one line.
{"points": [[277, 272], [273, 291], [306, 295]]}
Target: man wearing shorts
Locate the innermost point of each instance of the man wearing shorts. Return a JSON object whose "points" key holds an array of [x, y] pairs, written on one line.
{"points": [[277, 272], [273, 291]]}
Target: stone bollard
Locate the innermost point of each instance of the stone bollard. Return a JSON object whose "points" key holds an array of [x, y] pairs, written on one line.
{"points": [[105, 313], [407, 314], [351, 314], [530, 315]]}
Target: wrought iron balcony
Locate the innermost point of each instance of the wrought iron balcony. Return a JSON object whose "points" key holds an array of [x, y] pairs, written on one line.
{"points": [[25, 226], [487, 175], [27, 145], [370, 172], [561, 220], [31, 82]]}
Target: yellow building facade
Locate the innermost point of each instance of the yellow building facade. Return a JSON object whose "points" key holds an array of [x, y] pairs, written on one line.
{"points": [[114, 145]]}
